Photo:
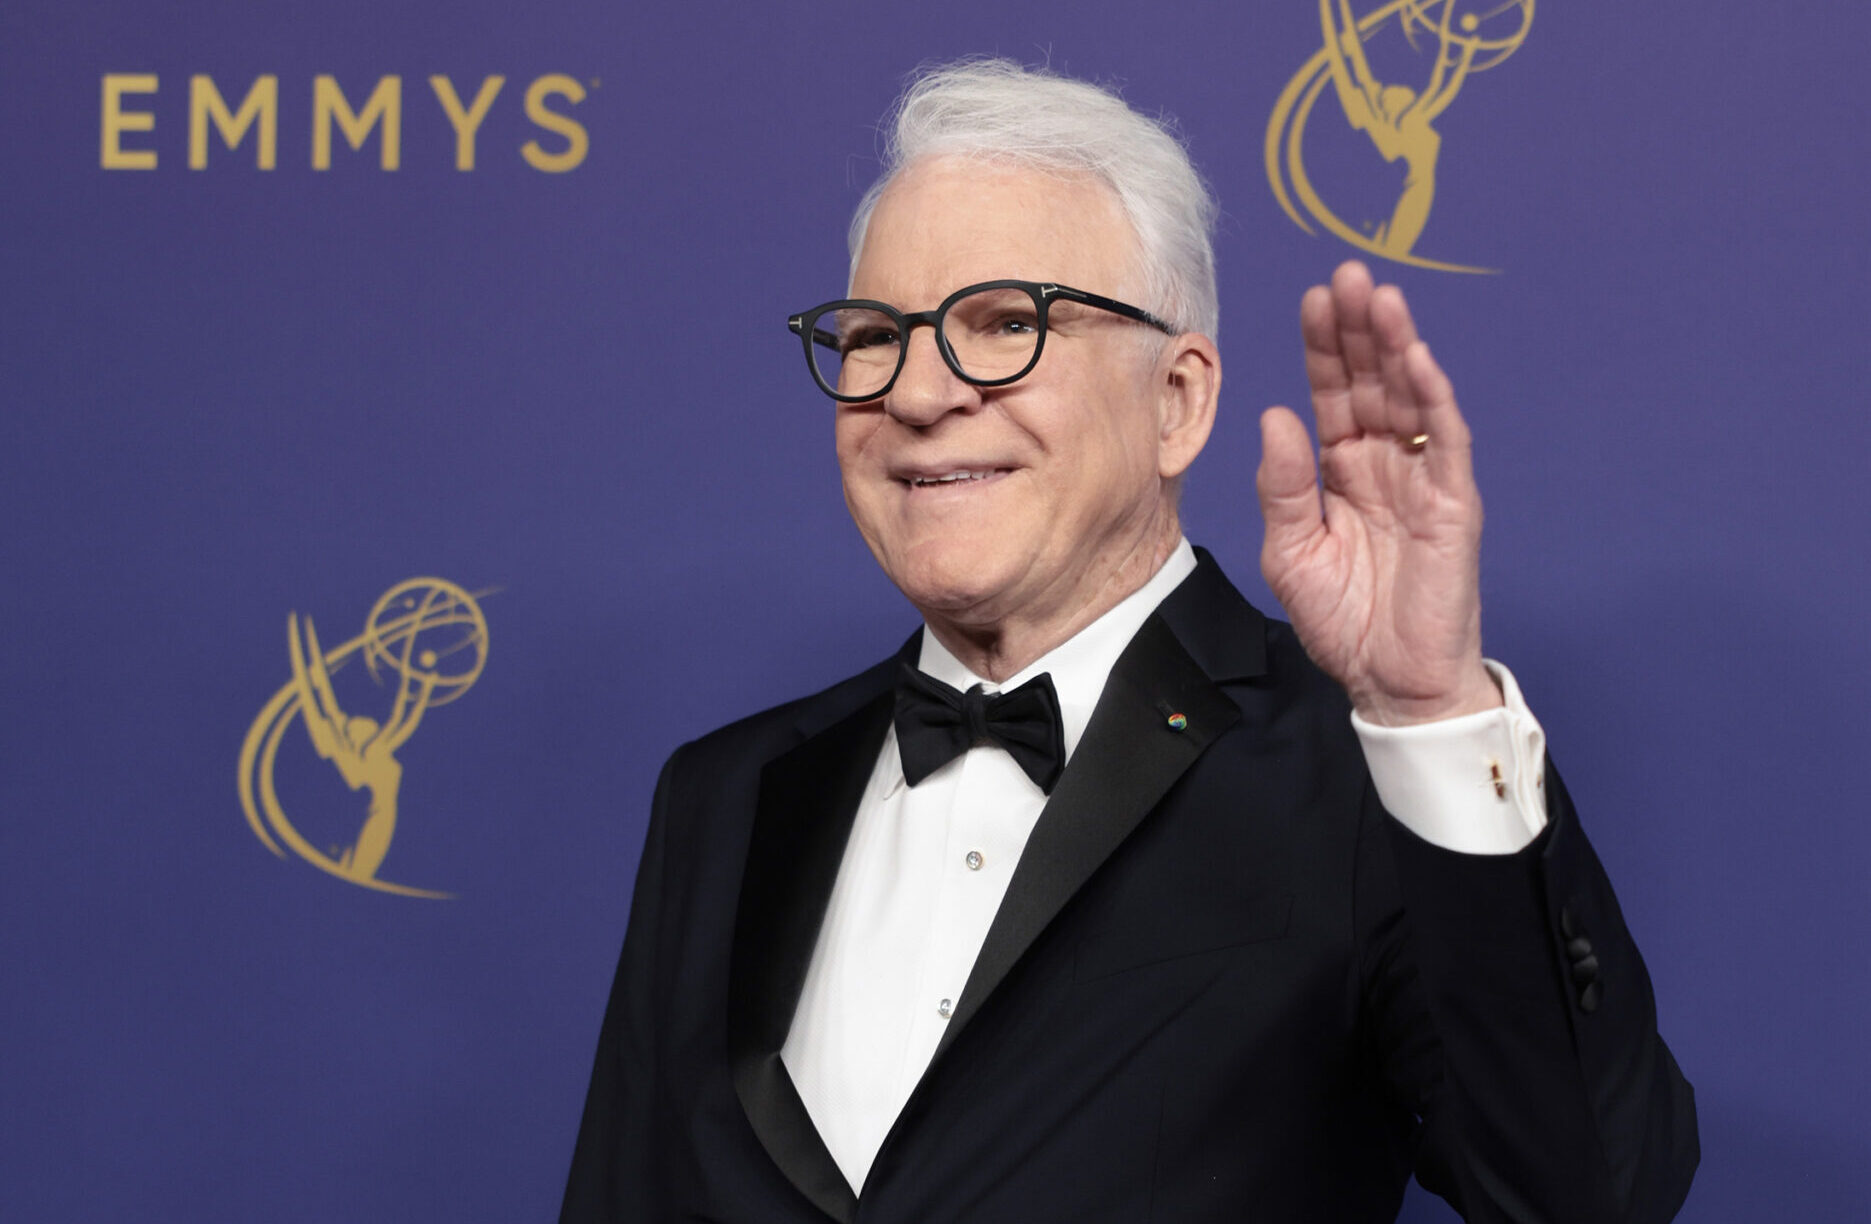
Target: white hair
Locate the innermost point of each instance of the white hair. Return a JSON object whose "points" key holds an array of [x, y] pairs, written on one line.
{"points": [[1000, 111]]}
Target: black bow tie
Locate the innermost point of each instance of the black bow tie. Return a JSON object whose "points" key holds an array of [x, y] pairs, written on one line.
{"points": [[936, 723]]}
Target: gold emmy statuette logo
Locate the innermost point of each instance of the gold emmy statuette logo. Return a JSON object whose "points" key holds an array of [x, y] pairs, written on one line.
{"points": [[1460, 37], [427, 638]]}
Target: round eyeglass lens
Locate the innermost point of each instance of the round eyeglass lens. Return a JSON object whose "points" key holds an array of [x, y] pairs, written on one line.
{"points": [[855, 350], [993, 333]]}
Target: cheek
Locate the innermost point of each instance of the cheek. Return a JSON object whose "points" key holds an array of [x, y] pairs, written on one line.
{"points": [[851, 438], [1117, 447]]}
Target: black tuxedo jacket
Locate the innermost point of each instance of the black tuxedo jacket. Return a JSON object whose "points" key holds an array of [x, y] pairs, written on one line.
{"points": [[1224, 984]]}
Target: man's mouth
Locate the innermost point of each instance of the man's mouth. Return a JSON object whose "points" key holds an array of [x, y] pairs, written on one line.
{"points": [[962, 476]]}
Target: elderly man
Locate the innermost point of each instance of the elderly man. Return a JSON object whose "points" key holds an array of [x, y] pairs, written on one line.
{"points": [[1108, 898]]}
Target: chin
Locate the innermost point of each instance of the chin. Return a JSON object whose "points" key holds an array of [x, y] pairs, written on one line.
{"points": [[950, 579]]}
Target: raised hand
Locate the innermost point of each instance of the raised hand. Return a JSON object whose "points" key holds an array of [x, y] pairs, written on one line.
{"points": [[1379, 569]]}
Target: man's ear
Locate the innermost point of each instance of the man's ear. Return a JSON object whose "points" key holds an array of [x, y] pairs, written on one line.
{"points": [[1188, 395]]}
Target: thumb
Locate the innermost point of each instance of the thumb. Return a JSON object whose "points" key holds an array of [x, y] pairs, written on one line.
{"points": [[1288, 483]]}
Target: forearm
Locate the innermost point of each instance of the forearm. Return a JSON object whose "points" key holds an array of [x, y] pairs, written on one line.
{"points": [[1555, 1097]]}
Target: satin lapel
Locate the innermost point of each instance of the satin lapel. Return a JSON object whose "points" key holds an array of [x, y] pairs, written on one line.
{"points": [[1127, 760], [808, 800]]}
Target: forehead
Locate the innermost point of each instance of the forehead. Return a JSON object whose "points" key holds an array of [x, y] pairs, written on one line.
{"points": [[952, 221]]}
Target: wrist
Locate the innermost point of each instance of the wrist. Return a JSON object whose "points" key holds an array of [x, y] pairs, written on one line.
{"points": [[1475, 693]]}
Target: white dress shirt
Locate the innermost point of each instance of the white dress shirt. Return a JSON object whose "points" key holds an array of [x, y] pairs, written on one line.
{"points": [[926, 867]]}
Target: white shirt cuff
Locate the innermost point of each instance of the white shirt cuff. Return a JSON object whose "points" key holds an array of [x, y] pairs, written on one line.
{"points": [[1474, 784]]}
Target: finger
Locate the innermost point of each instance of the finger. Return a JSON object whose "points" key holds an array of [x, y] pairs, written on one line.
{"points": [[1288, 484], [1450, 447], [1394, 332], [1351, 299], [1363, 353], [1450, 450], [1325, 366]]}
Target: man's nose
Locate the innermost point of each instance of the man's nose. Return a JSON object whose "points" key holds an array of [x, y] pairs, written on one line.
{"points": [[926, 389]]}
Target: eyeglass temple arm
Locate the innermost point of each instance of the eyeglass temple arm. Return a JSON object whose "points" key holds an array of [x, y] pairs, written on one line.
{"points": [[1110, 304], [797, 325]]}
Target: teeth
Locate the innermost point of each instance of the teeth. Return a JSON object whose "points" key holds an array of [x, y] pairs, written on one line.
{"points": [[951, 478]]}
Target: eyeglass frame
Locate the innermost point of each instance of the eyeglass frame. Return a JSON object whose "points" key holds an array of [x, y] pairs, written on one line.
{"points": [[1043, 293]]}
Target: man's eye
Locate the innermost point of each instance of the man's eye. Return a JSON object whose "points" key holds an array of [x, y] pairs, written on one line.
{"points": [[1003, 325], [867, 338]]}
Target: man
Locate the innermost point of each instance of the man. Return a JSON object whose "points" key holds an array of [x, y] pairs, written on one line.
{"points": [[1138, 937]]}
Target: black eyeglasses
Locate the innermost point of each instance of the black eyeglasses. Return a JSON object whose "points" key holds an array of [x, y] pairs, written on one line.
{"points": [[990, 334]]}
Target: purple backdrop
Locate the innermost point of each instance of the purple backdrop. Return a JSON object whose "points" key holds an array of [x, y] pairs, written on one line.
{"points": [[229, 394]]}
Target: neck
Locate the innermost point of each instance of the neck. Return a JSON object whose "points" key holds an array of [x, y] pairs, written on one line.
{"points": [[1003, 648]]}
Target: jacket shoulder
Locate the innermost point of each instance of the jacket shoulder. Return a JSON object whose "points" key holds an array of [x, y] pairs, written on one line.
{"points": [[760, 737]]}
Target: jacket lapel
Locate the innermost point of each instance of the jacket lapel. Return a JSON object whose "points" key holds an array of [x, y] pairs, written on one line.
{"points": [[808, 800], [1203, 634], [1128, 758]]}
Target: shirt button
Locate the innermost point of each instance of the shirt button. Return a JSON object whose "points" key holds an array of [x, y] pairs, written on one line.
{"points": [[974, 860], [945, 1008]]}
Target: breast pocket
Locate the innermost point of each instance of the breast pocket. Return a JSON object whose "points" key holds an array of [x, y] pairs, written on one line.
{"points": [[1187, 929]]}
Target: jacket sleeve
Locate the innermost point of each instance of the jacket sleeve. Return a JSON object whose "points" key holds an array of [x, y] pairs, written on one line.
{"points": [[1519, 1024], [614, 1165]]}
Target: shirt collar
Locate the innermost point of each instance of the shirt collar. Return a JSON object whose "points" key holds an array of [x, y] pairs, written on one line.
{"points": [[1081, 664]]}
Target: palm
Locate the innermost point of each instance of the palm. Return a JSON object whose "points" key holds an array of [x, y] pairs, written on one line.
{"points": [[1377, 562]]}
